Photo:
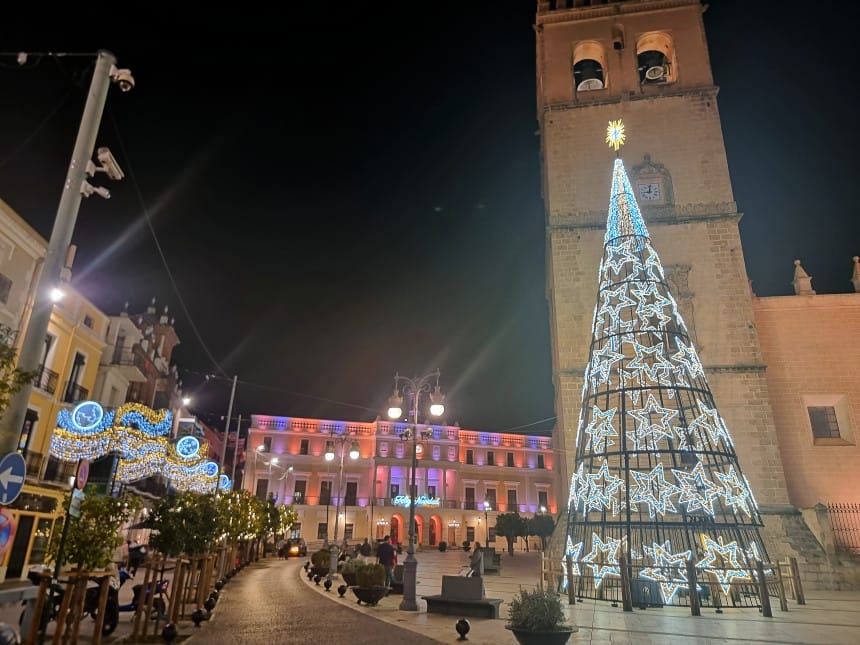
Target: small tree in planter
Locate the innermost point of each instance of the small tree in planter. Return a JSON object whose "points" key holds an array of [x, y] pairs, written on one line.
{"points": [[443, 546], [467, 546], [321, 561], [350, 570], [370, 586], [509, 526], [536, 617]]}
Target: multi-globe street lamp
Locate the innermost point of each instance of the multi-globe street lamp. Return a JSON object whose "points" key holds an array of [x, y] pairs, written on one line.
{"points": [[329, 456], [413, 388], [487, 508]]}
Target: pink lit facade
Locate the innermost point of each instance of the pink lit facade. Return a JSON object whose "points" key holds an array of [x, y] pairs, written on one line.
{"points": [[458, 472]]}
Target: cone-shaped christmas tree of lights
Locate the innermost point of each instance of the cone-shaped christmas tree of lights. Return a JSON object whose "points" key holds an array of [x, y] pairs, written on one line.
{"points": [[656, 477]]}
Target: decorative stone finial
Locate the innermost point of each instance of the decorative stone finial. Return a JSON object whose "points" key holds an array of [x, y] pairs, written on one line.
{"points": [[802, 281]]}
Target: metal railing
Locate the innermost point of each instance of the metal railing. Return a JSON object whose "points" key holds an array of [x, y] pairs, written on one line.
{"points": [[47, 380], [74, 393], [845, 522]]}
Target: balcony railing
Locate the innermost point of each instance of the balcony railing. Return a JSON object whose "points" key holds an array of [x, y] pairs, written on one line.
{"points": [[47, 380], [122, 356], [74, 393]]}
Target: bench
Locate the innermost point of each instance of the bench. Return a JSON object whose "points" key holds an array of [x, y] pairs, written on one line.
{"points": [[492, 560], [463, 596]]}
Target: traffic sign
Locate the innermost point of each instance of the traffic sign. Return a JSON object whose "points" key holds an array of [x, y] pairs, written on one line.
{"points": [[83, 473], [75, 503], [13, 472]]}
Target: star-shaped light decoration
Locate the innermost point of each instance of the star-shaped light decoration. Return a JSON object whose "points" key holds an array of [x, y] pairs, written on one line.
{"points": [[697, 491], [602, 361], [670, 569], [619, 255], [603, 558], [734, 491], [653, 266], [601, 429], [578, 493], [711, 422], [653, 489], [651, 360], [574, 551], [686, 356], [614, 300], [615, 135], [728, 556], [654, 425], [603, 495]]}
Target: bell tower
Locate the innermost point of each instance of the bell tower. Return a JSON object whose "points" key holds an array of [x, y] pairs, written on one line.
{"points": [[647, 62]]}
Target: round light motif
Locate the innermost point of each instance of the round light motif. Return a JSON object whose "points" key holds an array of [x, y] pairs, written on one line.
{"points": [[210, 469], [224, 482], [87, 415], [187, 446]]}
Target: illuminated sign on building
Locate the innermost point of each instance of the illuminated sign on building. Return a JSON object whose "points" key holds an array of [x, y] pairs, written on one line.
{"points": [[423, 500]]}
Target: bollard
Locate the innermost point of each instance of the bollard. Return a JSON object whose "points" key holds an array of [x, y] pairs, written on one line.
{"points": [[693, 589], [626, 599], [764, 596], [571, 596]]}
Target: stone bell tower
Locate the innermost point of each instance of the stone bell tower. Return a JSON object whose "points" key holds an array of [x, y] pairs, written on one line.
{"points": [[646, 62]]}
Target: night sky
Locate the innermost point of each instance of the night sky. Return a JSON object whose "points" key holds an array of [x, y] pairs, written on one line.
{"points": [[354, 190]]}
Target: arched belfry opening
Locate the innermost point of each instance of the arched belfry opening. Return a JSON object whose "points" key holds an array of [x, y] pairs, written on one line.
{"points": [[589, 65], [655, 58]]}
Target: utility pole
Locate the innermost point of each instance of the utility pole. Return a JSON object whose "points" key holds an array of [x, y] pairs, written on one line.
{"points": [[227, 425], [61, 237]]}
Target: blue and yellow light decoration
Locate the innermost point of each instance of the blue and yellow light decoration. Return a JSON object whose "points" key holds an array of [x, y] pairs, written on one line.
{"points": [[141, 437]]}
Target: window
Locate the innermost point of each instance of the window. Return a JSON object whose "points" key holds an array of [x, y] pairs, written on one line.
{"points": [[431, 492], [5, 288], [829, 421], [322, 531], [351, 494], [510, 460], [469, 503], [491, 458], [395, 490], [512, 500], [542, 499], [490, 498], [470, 456], [300, 491], [267, 444], [303, 447], [348, 531], [88, 321], [823, 420], [491, 537], [296, 530], [540, 462], [470, 533], [437, 452], [325, 492], [262, 488]]}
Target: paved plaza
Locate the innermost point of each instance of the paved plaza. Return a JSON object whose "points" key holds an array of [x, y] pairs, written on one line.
{"points": [[272, 601]]}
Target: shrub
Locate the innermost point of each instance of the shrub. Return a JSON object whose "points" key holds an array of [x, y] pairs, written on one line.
{"points": [[443, 545], [321, 558], [370, 575], [536, 610], [353, 565]]}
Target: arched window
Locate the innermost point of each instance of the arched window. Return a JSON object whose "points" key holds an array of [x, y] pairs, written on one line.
{"points": [[589, 65], [655, 58]]}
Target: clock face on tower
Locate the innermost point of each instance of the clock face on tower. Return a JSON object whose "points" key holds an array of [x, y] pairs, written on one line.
{"points": [[649, 192]]}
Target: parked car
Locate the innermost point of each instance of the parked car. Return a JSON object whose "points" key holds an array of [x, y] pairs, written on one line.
{"points": [[295, 547]]}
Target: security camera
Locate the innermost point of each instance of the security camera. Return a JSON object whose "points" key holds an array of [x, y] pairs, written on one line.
{"points": [[88, 189], [123, 78], [109, 164]]}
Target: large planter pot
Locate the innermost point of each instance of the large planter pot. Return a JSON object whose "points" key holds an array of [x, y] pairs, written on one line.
{"points": [[529, 637], [369, 595], [319, 571]]}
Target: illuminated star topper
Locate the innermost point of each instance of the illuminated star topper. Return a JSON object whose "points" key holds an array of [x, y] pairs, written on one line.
{"points": [[615, 136]]}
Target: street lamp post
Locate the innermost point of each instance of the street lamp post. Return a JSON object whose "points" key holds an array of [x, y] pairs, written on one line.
{"points": [[413, 388], [74, 188], [487, 507], [329, 456]]}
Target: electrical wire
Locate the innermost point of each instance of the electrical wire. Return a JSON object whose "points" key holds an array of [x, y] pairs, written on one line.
{"points": [[164, 262], [36, 131]]}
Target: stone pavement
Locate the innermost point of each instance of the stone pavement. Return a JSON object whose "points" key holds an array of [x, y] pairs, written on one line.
{"points": [[828, 618]]}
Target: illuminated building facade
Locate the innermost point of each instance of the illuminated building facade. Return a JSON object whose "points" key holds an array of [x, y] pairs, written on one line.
{"points": [[463, 480]]}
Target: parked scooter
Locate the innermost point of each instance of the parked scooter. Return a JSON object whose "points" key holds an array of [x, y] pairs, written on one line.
{"points": [[159, 606]]}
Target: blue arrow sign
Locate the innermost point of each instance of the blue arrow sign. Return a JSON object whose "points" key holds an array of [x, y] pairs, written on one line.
{"points": [[13, 472]]}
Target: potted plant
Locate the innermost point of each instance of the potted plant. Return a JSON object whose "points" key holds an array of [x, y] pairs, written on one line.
{"points": [[536, 617], [443, 546], [320, 562], [350, 570], [370, 584], [467, 545]]}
